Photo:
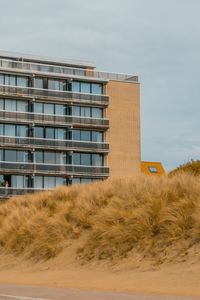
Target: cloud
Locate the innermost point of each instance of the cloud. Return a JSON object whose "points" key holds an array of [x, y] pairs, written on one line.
{"points": [[159, 40]]}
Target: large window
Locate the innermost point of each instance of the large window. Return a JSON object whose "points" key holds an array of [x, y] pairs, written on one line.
{"points": [[50, 133], [15, 156], [51, 157], [87, 135], [56, 85], [13, 105], [88, 159], [14, 80], [87, 112], [48, 182], [13, 130], [49, 108], [87, 87]]}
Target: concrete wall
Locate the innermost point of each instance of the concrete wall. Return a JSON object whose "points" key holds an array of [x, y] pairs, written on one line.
{"points": [[124, 132]]}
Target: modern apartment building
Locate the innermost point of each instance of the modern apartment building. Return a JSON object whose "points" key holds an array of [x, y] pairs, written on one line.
{"points": [[63, 122]]}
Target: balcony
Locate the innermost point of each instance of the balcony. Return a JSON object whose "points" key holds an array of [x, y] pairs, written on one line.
{"points": [[62, 71], [63, 145], [51, 169], [6, 193], [52, 95], [27, 117]]}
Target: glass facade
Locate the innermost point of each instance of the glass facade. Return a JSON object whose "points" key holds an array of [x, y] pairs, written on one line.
{"points": [[14, 80], [36, 164], [87, 87]]}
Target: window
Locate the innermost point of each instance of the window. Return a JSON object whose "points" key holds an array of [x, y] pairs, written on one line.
{"points": [[10, 105], [97, 160], [85, 87], [56, 85], [22, 106], [86, 180], [97, 136], [21, 131], [85, 112], [10, 155], [9, 130], [39, 132], [49, 157], [77, 159], [39, 157], [153, 169], [97, 113], [1, 104], [39, 108], [22, 156], [85, 159], [48, 109], [38, 182], [60, 133], [76, 86], [49, 182], [97, 88], [1, 79], [1, 129], [76, 135], [76, 181], [49, 133], [38, 83], [22, 81], [19, 181], [85, 135], [59, 109], [76, 111]]}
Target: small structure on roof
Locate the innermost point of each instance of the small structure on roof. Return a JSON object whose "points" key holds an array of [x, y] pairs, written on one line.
{"points": [[152, 168]]}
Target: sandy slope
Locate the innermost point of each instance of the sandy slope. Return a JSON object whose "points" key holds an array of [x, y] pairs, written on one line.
{"points": [[181, 278]]}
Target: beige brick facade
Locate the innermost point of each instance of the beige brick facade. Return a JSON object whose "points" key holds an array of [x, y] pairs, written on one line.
{"points": [[123, 135]]}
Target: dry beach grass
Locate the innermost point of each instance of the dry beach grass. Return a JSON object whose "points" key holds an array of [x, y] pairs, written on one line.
{"points": [[158, 218]]}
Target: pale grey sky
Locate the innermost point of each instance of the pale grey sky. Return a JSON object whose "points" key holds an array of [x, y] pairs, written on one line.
{"points": [[157, 39]]}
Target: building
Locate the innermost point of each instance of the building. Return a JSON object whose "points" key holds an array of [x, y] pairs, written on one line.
{"points": [[64, 122], [152, 168]]}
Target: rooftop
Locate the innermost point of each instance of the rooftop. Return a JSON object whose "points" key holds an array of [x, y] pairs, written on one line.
{"points": [[18, 62]]}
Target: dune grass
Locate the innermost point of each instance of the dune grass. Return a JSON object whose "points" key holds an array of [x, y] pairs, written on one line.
{"points": [[116, 217]]}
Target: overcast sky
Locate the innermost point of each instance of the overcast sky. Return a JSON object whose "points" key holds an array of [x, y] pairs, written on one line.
{"points": [[157, 39]]}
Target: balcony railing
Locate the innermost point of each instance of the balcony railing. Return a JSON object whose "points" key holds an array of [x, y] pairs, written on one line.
{"points": [[27, 117], [52, 169], [28, 142], [61, 70], [7, 192], [64, 96]]}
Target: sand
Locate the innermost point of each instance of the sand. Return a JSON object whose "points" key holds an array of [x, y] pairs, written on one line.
{"points": [[180, 278]]}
